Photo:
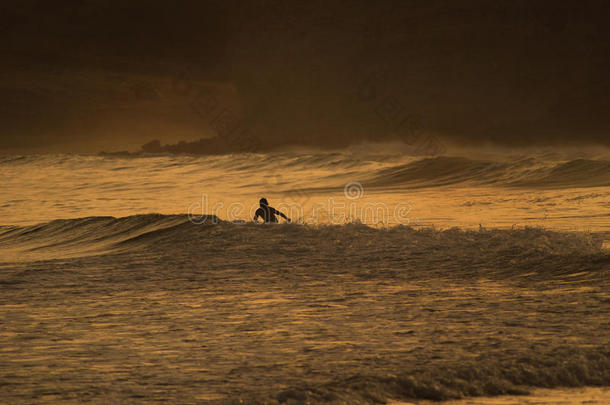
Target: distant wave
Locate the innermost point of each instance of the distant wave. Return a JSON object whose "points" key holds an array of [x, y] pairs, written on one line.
{"points": [[575, 173], [527, 172], [383, 170], [103, 235], [398, 171]]}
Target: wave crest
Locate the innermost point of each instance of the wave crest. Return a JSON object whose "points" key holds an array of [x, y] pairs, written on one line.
{"points": [[99, 235]]}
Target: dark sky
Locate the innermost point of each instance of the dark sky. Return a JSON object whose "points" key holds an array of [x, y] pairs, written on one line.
{"points": [[92, 74]]}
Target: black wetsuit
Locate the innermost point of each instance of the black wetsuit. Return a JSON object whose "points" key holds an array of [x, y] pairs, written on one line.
{"points": [[267, 213]]}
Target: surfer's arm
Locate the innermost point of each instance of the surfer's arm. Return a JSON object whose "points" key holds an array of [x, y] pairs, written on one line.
{"points": [[282, 215]]}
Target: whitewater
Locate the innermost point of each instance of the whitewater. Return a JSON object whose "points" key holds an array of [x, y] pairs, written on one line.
{"points": [[140, 279]]}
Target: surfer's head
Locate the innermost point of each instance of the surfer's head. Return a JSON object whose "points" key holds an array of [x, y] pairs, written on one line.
{"points": [[263, 202]]}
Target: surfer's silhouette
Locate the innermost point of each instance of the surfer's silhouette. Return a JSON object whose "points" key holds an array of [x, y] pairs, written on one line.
{"points": [[268, 213]]}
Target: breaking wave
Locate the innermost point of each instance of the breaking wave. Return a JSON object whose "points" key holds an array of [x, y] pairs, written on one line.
{"points": [[99, 235]]}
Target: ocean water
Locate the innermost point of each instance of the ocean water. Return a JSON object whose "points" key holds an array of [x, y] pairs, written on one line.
{"points": [[140, 279], [375, 189]]}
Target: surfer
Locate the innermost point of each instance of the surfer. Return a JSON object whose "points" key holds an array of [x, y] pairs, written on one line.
{"points": [[268, 213]]}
